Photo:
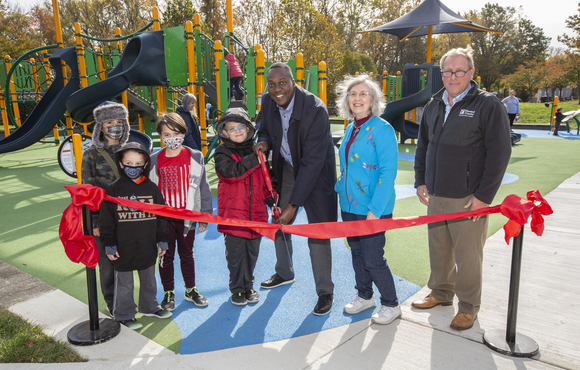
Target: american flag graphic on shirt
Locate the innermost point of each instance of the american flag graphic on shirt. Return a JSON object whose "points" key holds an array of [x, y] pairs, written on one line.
{"points": [[173, 179]]}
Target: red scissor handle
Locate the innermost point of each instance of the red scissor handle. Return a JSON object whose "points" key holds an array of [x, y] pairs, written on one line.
{"points": [[268, 182]]}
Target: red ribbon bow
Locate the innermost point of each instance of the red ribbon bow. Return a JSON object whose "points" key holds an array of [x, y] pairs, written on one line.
{"points": [[519, 210]]}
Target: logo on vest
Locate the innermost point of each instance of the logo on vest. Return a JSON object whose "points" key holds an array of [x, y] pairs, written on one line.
{"points": [[466, 113]]}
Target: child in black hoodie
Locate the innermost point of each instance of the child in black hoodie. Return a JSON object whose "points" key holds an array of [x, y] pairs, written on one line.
{"points": [[134, 238]]}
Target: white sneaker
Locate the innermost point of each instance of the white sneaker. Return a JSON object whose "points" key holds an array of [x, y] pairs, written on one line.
{"points": [[386, 315], [359, 304]]}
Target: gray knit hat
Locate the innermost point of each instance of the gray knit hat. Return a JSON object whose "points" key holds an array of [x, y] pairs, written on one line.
{"points": [[105, 112]]}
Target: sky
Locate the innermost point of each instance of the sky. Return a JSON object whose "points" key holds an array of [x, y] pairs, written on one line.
{"points": [[551, 19], [541, 13]]}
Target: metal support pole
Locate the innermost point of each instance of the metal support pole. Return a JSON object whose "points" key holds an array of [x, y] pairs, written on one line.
{"points": [[510, 343]]}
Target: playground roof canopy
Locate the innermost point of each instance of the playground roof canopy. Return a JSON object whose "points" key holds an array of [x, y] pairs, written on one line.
{"points": [[430, 13]]}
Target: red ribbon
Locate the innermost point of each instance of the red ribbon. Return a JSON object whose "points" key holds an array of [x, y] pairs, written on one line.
{"points": [[517, 209]]}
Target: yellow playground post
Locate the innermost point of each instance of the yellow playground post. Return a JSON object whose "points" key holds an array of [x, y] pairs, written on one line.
{"points": [[300, 69], [12, 91], [217, 46], [554, 109], [260, 69], [322, 79]]}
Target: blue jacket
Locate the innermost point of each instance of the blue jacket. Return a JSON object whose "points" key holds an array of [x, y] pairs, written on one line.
{"points": [[193, 136], [367, 181]]}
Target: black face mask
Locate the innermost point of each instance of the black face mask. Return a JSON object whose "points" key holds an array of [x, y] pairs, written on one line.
{"points": [[133, 171]]}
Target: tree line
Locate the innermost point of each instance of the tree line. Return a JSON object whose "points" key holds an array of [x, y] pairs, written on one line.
{"points": [[519, 58]]}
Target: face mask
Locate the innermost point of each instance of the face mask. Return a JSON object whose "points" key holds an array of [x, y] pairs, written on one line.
{"points": [[114, 132], [173, 142], [133, 172]]}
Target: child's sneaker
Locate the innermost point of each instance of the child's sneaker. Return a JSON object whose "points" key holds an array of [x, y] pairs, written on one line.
{"points": [[192, 295], [239, 299], [168, 302], [252, 296], [132, 324], [386, 315], [160, 314]]}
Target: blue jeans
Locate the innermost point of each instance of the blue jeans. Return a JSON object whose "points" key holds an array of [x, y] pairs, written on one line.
{"points": [[235, 85], [369, 264]]}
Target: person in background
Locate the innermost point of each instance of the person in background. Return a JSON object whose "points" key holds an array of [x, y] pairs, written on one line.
{"points": [[558, 120], [366, 191], [513, 107], [236, 73], [188, 112]]}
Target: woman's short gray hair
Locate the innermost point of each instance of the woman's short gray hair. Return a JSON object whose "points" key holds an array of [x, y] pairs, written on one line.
{"points": [[343, 91]]}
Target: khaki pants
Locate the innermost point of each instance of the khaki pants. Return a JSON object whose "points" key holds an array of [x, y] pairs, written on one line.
{"points": [[456, 255]]}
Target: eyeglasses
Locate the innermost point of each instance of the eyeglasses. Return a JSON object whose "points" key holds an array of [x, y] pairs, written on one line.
{"points": [[457, 74], [362, 95], [241, 126]]}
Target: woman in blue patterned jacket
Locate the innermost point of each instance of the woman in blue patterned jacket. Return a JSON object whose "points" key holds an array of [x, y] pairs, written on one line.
{"points": [[366, 189]]}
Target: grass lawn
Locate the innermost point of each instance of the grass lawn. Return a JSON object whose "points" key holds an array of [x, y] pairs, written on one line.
{"points": [[538, 113], [21, 341]]}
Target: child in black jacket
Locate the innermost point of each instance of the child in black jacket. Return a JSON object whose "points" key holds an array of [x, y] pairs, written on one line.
{"points": [[134, 238]]}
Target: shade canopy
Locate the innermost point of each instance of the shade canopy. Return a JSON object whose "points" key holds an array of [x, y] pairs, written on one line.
{"points": [[429, 13]]}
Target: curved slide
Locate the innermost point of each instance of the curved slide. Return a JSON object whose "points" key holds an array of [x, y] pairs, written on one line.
{"points": [[395, 111], [50, 108], [142, 63]]}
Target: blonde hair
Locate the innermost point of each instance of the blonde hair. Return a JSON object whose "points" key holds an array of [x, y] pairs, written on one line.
{"points": [[343, 91], [466, 52]]}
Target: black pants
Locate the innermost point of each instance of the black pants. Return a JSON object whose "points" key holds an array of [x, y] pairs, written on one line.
{"points": [[241, 254], [512, 117]]}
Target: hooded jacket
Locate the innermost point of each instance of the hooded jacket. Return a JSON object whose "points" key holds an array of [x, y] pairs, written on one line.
{"points": [[134, 233], [95, 169], [467, 154], [242, 190]]}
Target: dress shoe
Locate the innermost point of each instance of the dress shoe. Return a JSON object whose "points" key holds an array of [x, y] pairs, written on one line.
{"points": [[324, 304], [275, 281], [430, 302], [462, 321]]}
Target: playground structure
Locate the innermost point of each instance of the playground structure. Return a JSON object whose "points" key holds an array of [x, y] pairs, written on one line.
{"points": [[150, 74], [153, 71]]}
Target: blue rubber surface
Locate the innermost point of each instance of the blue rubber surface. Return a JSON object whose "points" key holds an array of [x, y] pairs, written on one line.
{"points": [[282, 313]]}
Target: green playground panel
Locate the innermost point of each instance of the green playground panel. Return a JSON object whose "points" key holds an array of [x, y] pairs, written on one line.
{"points": [[224, 86], [313, 73], [3, 73], [250, 85], [91, 65], [175, 55], [292, 64]]}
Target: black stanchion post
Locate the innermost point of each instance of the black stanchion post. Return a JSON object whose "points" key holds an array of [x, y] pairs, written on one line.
{"points": [[510, 343], [94, 331]]}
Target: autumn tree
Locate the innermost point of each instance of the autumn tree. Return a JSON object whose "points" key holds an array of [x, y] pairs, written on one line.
{"points": [[16, 34], [500, 54], [213, 18], [527, 79], [177, 13], [572, 69]]}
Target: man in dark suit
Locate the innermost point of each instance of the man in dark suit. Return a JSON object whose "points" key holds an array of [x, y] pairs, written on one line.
{"points": [[295, 126]]}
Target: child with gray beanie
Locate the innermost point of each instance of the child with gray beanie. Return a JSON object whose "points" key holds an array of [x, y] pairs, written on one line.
{"points": [[111, 130]]}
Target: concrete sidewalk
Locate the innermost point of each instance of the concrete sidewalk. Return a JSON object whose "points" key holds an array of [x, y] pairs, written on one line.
{"points": [[422, 339]]}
